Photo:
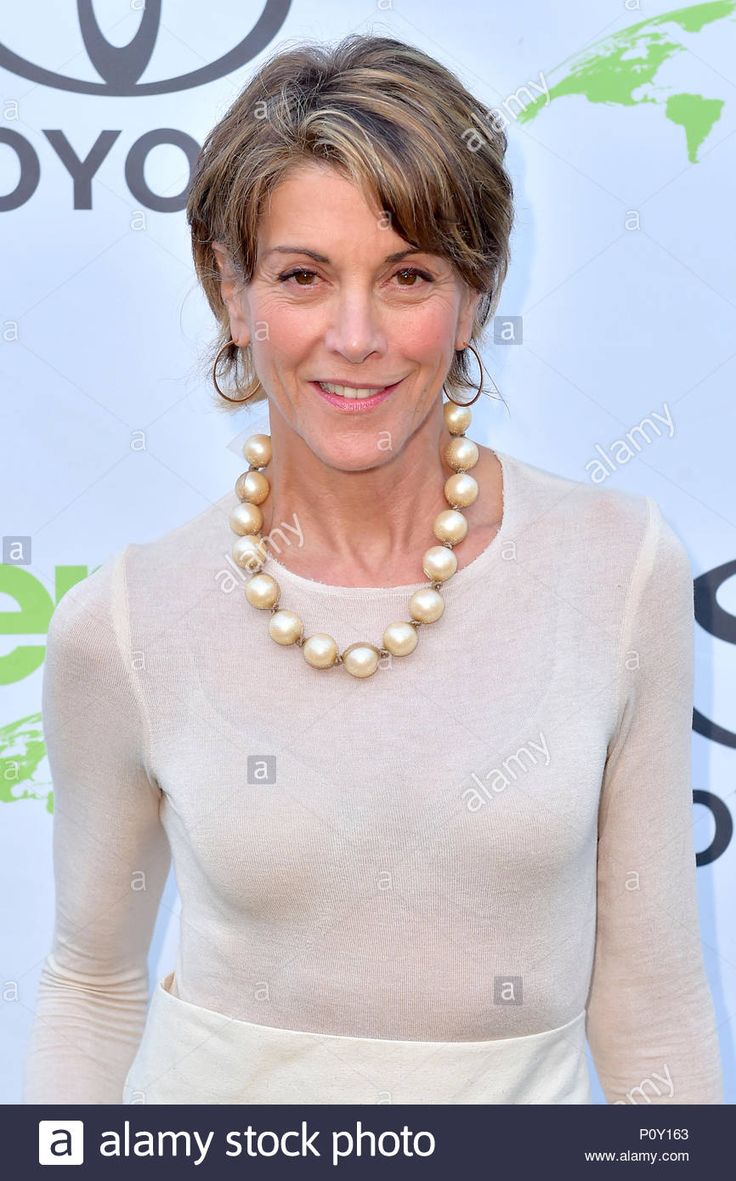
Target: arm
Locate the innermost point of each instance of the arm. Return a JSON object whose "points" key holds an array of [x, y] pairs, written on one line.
{"points": [[650, 1018], [111, 855]]}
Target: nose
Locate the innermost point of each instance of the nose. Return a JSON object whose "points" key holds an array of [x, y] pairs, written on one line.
{"points": [[355, 330]]}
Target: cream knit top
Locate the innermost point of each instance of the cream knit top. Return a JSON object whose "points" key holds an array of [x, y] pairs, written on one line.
{"points": [[506, 812]]}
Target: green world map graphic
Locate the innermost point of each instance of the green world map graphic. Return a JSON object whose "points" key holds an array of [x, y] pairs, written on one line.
{"points": [[622, 70], [22, 757]]}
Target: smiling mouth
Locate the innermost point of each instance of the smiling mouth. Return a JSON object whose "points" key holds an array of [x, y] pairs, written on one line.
{"points": [[354, 393]]}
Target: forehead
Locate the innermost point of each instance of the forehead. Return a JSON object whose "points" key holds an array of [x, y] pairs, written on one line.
{"points": [[315, 205]]}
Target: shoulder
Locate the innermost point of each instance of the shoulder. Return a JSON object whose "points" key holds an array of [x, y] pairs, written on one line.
{"points": [[145, 580], [181, 569], [87, 611], [190, 546], [598, 525], [83, 642], [580, 502]]}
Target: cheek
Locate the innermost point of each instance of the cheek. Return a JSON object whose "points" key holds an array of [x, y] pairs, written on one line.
{"points": [[426, 333], [283, 331]]}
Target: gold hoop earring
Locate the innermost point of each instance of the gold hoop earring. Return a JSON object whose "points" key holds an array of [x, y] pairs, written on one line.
{"points": [[237, 401], [480, 385]]}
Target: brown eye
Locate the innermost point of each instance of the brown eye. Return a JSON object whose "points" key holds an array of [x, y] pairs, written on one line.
{"points": [[299, 272], [413, 273]]}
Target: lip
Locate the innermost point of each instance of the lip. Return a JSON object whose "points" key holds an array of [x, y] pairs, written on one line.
{"points": [[354, 405]]}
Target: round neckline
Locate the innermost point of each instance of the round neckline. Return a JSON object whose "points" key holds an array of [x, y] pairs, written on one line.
{"points": [[471, 570]]}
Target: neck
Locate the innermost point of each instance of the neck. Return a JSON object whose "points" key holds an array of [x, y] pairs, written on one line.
{"points": [[360, 522]]}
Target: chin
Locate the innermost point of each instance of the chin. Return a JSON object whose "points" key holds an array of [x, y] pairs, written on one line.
{"points": [[356, 454]]}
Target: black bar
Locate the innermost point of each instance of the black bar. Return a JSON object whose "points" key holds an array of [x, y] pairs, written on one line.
{"points": [[455, 1142]]}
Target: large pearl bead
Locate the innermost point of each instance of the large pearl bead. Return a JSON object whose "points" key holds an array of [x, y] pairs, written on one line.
{"points": [[461, 454], [285, 627], [450, 525], [461, 489], [457, 418], [361, 659], [253, 487], [439, 563], [320, 650], [426, 605], [248, 553], [400, 638], [246, 518], [257, 450], [262, 591]]}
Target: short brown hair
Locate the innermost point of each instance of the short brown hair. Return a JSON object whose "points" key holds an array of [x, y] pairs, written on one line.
{"points": [[391, 119]]}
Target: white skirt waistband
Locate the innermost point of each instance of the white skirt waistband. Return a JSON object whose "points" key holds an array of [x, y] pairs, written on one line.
{"points": [[189, 1054]]}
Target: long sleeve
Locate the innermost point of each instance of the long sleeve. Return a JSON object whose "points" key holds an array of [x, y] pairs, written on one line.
{"points": [[110, 852], [650, 1017]]}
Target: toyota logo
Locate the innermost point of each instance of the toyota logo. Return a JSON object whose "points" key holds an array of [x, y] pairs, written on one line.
{"points": [[120, 67]]}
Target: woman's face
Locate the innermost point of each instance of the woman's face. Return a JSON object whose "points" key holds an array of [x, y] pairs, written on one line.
{"points": [[328, 304]]}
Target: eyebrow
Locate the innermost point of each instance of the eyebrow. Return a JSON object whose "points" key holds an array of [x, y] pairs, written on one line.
{"points": [[398, 254]]}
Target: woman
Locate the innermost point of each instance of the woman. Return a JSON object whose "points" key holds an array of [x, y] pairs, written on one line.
{"points": [[425, 774]]}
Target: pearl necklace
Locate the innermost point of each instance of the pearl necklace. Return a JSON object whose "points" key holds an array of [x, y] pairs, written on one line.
{"points": [[426, 605]]}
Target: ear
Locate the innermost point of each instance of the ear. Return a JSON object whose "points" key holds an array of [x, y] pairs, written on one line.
{"points": [[466, 318], [230, 291]]}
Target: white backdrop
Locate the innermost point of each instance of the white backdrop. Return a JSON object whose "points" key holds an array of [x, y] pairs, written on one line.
{"points": [[613, 346]]}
